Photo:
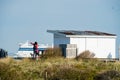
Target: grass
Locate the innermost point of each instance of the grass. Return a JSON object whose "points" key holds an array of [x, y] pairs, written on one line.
{"points": [[58, 68]]}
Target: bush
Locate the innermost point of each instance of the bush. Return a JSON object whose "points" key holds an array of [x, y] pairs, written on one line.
{"points": [[68, 73], [8, 72], [3, 53], [52, 52], [85, 54], [108, 75]]}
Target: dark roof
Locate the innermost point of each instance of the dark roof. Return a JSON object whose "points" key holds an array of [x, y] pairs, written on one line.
{"points": [[73, 32]]}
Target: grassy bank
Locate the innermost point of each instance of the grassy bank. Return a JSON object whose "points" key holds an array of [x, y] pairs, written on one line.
{"points": [[58, 68]]}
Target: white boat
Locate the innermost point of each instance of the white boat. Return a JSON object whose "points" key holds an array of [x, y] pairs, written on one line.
{"points": [[26, 49]]}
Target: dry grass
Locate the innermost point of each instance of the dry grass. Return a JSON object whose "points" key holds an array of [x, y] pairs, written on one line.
{"points": [[6, 60], [52, 52], [57, 68], [86, 54]]}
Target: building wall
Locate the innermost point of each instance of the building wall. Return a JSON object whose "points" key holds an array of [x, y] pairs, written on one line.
{"points": [[80, 44], [102, 47], [60, 40], [106, 47]]}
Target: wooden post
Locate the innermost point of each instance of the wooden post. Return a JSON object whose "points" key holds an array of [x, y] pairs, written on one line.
{"points": [[46, 75]]}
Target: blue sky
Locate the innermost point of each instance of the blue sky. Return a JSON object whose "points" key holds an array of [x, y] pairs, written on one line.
{"points": [[22, 20]]}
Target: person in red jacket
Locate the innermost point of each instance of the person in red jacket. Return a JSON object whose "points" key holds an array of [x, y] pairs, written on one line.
{"points": [[35, 50]]}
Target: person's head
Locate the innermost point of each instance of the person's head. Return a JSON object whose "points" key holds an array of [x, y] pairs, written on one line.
{"points": [[35, 42]]}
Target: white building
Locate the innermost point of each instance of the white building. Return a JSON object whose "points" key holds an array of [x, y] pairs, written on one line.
{"points": [[101, 44]]}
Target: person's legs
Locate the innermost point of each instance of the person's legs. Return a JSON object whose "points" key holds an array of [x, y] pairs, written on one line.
{"points": [[37, 56], [34, 55]]}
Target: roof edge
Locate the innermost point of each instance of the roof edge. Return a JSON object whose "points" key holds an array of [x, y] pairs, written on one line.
{"points": [[80, 33], [90, 36]]}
